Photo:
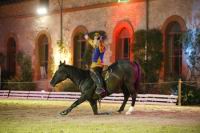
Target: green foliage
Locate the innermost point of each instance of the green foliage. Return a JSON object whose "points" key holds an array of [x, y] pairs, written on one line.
{"points": [[190, 94], [66, 85], [61, 46], [191, 47], [154, 53], [24, 80], [51, 66], [25, 65], [17, 83]]}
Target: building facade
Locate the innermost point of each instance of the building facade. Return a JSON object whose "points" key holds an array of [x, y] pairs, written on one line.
{"points": [[22, 29]]}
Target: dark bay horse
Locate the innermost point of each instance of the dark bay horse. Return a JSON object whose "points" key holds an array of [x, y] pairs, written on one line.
{"points": [[122, 76]]}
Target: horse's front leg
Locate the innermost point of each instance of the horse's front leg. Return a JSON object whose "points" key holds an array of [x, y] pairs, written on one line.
{"points": [[93, 104], [76, 103]]}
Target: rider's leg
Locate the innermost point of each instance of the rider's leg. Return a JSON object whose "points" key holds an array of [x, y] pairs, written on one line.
{"points": [[98, 79]]}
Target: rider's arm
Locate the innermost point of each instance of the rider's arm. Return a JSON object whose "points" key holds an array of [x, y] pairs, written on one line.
{"points": [[89, 40]]}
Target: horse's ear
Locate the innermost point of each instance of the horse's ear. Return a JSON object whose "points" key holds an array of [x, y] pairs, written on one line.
{"points": [[64, 62], [60, 62]]}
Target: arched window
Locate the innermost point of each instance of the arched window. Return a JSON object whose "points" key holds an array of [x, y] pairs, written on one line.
{"points": [[43, 56], [122, 41], [123, 45], [79, 49], [11, 57], [173, 48]]}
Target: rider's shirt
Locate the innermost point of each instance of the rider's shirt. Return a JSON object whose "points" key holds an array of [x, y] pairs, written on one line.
{"points": [[98, 53]]}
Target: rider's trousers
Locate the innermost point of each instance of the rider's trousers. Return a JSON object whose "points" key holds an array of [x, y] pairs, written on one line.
{"points": [[97, 77]]}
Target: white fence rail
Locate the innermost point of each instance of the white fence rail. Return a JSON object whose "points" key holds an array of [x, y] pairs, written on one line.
{"points": [[114, 98]]}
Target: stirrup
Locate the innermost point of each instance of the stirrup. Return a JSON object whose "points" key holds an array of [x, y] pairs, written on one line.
{"points": [[101, 94], [99, 91]]}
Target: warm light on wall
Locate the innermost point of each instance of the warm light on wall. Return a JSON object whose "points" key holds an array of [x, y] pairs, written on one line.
{"points": [[123, 0], [42, 10], [62, 56]]}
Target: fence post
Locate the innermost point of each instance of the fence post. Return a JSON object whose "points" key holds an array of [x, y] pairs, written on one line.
{"points": [[179, 92], [0, 77]]}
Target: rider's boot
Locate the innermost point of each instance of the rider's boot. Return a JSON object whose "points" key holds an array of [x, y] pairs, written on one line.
{"points": [[98, 79]]}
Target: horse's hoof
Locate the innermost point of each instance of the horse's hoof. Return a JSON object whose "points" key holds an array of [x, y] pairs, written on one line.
{"points": [[108, 113], [119, 112], [63, 113], [129, 113]]}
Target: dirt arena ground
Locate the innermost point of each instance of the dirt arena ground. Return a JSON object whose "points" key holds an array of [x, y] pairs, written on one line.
{"points": [[36, 116]]}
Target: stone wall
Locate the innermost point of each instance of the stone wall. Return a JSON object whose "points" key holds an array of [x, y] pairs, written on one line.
{"points": [[160, 10], [27, 28]]}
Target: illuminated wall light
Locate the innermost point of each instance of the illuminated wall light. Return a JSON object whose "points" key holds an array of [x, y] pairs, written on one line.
{"points": [[120, 1], [43, 7], [42, 10]]}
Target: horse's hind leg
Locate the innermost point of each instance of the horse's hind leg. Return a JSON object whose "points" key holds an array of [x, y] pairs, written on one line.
{"points": [[76, 103], [126, 96], [133, 93]]}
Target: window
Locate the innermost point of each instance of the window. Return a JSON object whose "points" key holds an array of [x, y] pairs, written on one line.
{"points": [[173, 50], [43, 56], [11, 57], [123, 46], [126, 48], [79, 50]]}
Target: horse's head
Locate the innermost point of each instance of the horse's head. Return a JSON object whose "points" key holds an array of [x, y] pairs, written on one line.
{"points": [[59, 75]]}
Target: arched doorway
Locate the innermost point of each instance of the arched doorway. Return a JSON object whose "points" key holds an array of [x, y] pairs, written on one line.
{"points": [[11, 57], [43, 54], [79, 47], [173, 49], [172, 29], [122, 44]]}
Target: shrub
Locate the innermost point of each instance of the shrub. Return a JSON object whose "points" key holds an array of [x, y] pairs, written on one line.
{"points": [[152, 65], [191, 48], [154, 56], [190, 94], [24, 80], [67, 86]]}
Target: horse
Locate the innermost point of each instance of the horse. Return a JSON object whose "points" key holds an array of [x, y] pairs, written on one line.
{"points": [[121, 76]]}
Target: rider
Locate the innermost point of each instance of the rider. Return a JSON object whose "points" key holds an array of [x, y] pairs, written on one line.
{"points": [[97, 62]]}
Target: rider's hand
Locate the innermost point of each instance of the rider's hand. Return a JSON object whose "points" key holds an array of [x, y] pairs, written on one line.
{"points": [[86, 36]]}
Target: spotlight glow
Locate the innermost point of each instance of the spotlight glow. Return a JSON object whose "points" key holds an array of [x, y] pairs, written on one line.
{"points": [[62, 56], [124, 1], [42, 10]]}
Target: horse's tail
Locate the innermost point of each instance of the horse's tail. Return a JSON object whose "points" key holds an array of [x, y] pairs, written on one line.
{"points": [[138, 79]]}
